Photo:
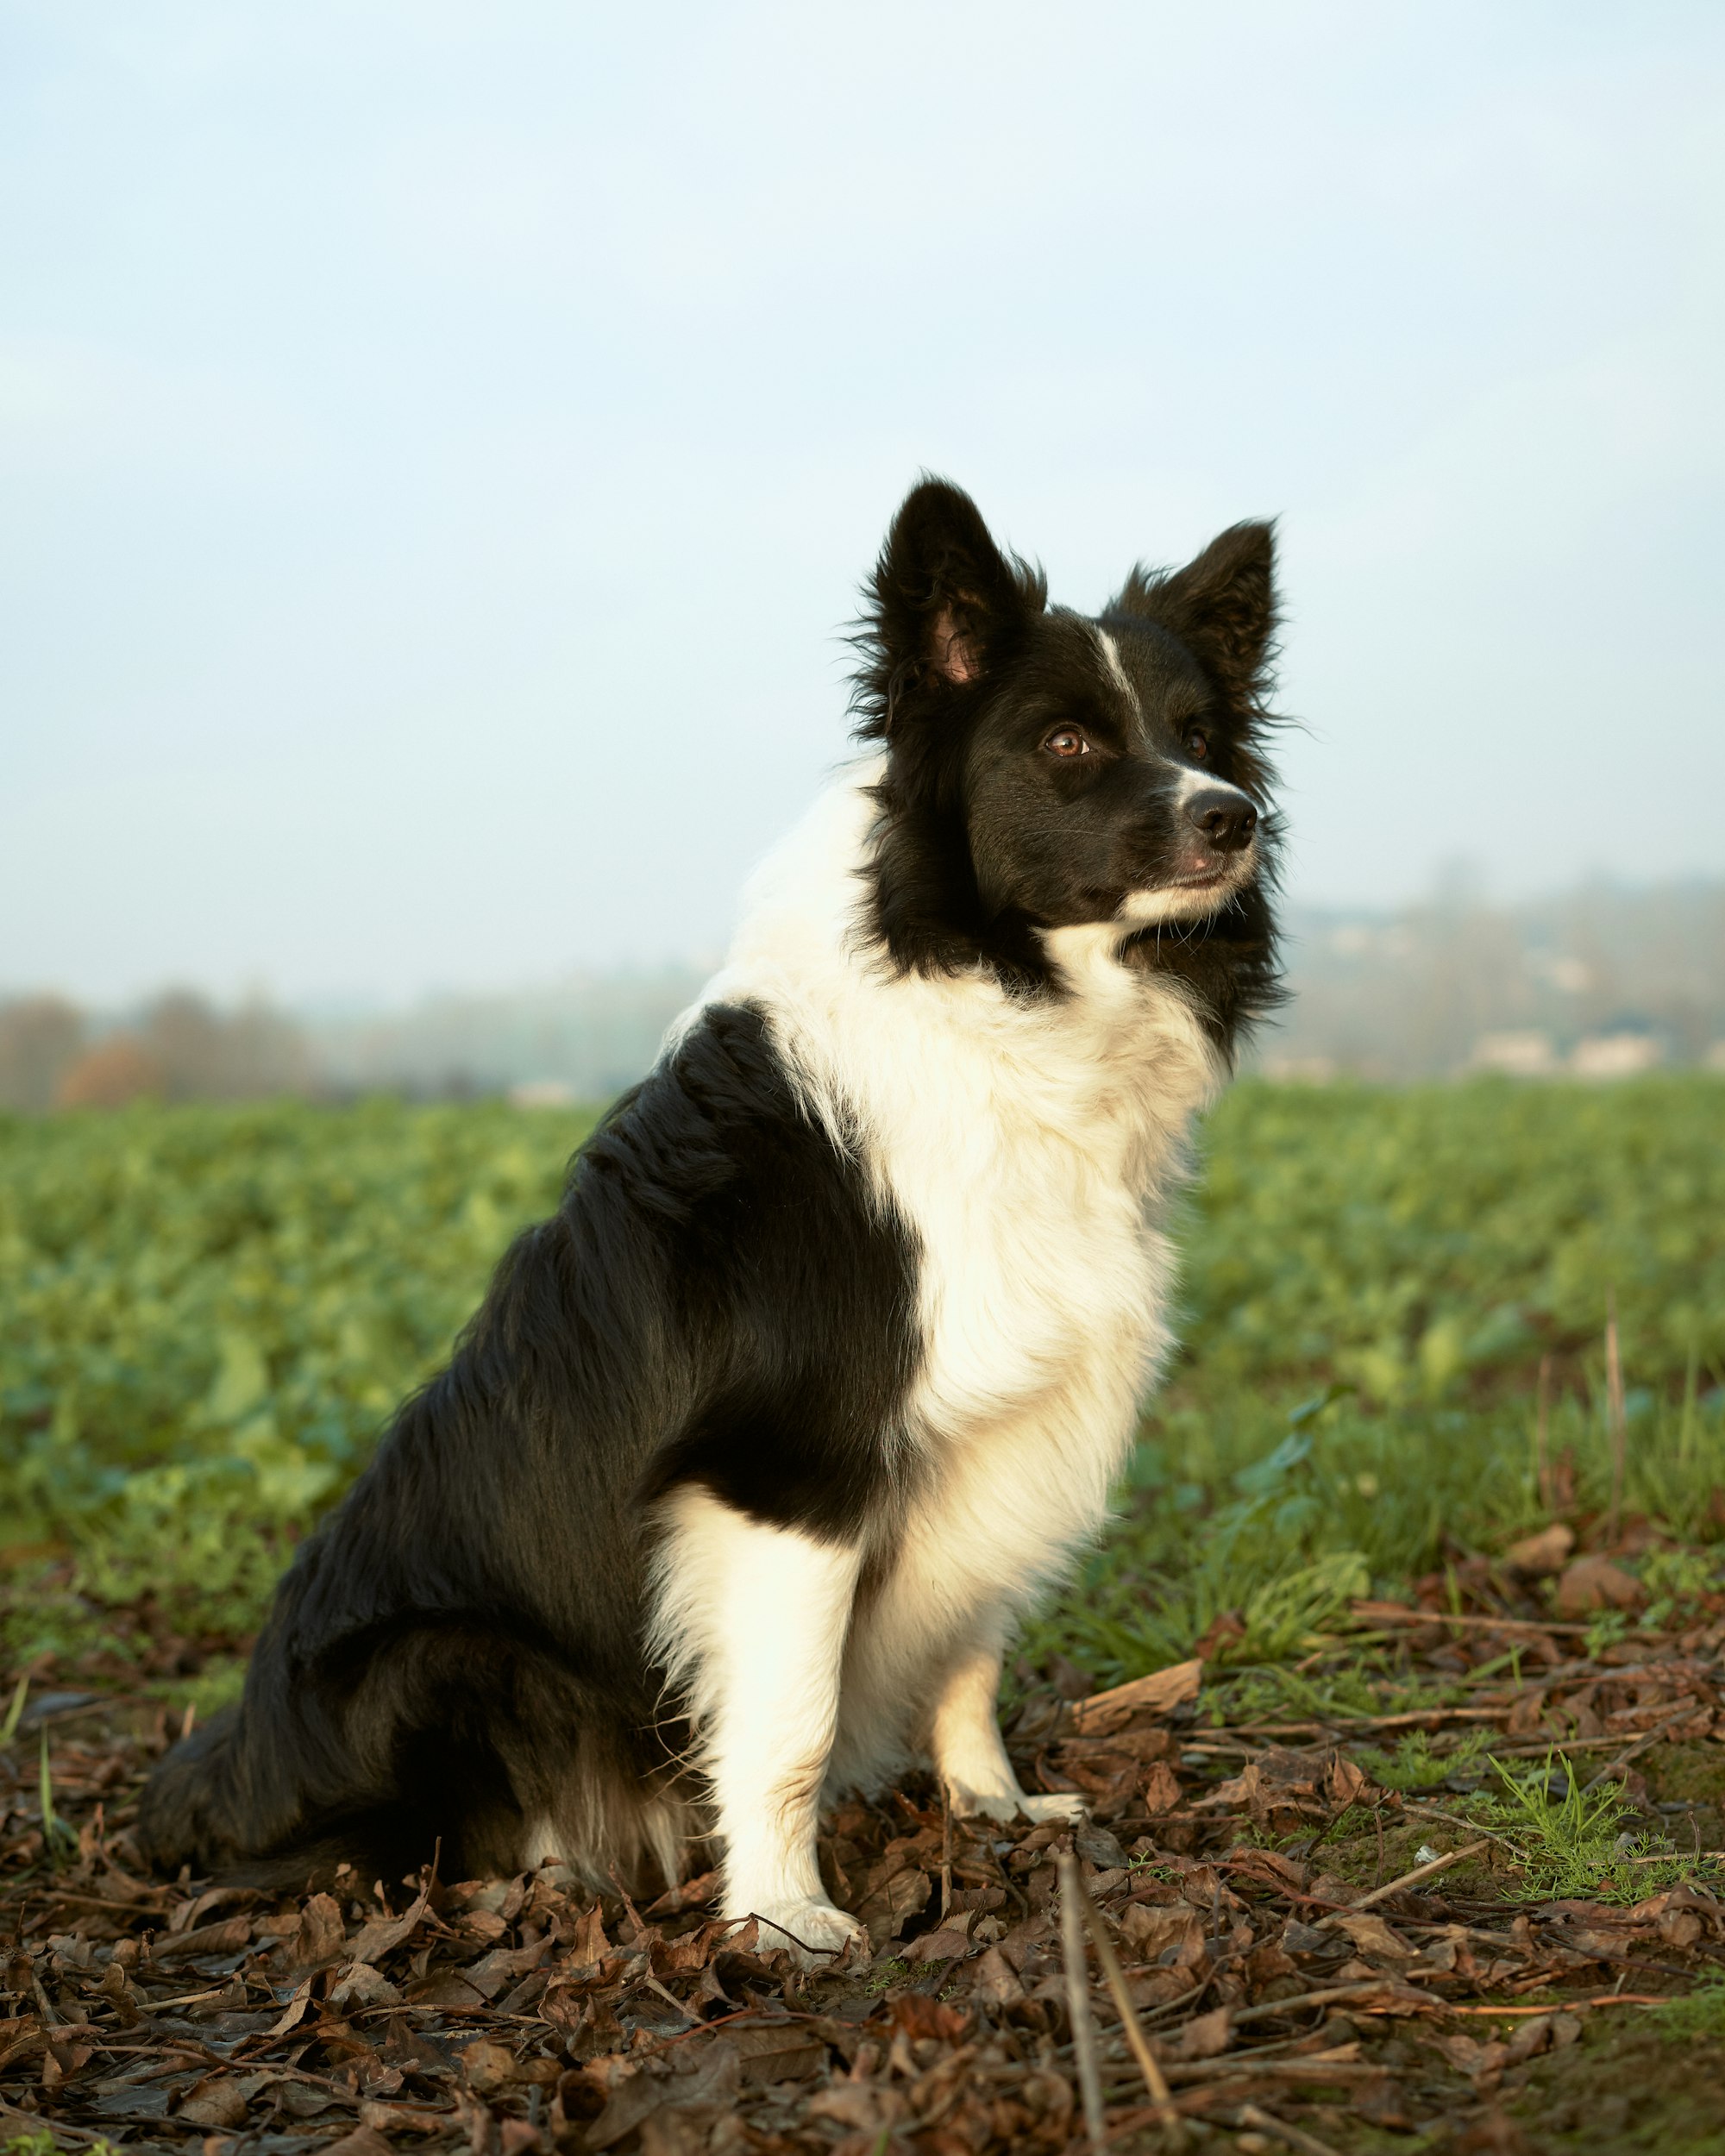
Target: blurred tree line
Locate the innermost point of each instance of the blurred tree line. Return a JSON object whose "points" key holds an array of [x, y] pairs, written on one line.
{"points": [[1456, 982], [177, 1048]]}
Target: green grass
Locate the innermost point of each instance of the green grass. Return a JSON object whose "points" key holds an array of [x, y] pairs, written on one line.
{"points": [[206, 1314], [1574, 1843], [1700, 2012]]}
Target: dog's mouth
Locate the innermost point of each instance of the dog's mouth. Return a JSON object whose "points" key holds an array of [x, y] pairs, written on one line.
{"points": [[1198, 884], [1207, 871]]}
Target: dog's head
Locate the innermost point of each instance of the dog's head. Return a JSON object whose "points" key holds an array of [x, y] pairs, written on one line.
{"points": [[1046, 769]]}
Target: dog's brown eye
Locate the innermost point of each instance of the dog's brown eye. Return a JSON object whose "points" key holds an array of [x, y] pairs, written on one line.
{"points": [[1197, 741], [1067, 741]]}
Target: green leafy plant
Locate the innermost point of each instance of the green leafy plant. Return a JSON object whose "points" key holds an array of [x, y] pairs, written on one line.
{"points": [[1677, 1581], [1575, 1844], [1414, 1764], [207, 1314]]}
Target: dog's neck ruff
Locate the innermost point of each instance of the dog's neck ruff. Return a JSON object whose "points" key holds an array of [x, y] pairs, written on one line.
{"points": [[1027, 1145]]}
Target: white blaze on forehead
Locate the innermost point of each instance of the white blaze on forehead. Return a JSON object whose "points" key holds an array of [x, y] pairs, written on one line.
{"points": [[1117, 673]]}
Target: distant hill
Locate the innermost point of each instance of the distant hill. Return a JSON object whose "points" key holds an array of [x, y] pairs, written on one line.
{"points": [[586, 1039], [1599, 982]]}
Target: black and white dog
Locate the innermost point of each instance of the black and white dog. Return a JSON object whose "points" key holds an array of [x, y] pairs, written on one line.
{"points": [[735, 1486]]}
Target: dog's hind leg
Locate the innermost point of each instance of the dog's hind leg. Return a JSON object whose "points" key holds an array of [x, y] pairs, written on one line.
{"points": [[751, 1621]]}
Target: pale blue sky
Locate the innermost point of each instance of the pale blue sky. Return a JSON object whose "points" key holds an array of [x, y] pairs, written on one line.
{"points": [[439, 444]]}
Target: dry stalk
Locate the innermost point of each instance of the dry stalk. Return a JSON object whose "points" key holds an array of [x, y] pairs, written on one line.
{"points": [[1112, 1975], [1084, 2055], [1294, 2136]]}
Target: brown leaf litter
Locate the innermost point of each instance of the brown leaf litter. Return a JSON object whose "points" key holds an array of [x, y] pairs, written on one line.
{"points": [[1262, 1949]]}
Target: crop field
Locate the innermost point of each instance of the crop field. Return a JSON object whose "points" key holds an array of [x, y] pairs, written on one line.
{"points": [[1420, 1567]]}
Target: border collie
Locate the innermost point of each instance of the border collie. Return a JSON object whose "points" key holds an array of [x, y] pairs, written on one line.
{"points": [[733, 1489]]}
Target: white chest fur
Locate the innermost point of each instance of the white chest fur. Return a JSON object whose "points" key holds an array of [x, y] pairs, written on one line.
{"points": [[1028, 1147]]}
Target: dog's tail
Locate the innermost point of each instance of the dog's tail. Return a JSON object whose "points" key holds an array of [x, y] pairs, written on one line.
{"points": [[193, 1806], [199, 1811]]}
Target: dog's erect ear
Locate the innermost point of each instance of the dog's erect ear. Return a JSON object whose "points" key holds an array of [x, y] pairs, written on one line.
{"points": [[1222, 604], [941, 609]]}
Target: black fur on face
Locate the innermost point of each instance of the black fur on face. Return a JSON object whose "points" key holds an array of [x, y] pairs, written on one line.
{"points": [[1046, 770]]}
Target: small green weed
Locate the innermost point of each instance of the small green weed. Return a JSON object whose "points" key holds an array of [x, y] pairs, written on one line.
{"points": [[1414, 1766], [1575, 1844], [1271, 1694], [61, 1840], [9, 1728], [1677, 1580]]}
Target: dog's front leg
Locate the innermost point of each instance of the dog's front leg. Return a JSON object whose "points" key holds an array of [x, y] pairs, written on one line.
{"points": [[751, 1619], [968, 1752]]}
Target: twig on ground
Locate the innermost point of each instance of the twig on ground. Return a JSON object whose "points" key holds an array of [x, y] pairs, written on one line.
{"points": [[1333, 1995], [1172, 2009], [1295, 2137], [1322, 2065], [1154, 2079], [1454, 1819], [1078, 2000], [1407, 1879], [1361, 1725], [101, 1901], [1642, 1743], [1573, 2006], [1562, 1744], [1398, 1614]]}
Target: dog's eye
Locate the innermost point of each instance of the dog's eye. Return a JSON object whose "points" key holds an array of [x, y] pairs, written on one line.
{"points": [[1197, 742], [1067, 741]]}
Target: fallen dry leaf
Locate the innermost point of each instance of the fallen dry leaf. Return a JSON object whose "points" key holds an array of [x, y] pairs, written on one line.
{"points": [[524, 2017]]}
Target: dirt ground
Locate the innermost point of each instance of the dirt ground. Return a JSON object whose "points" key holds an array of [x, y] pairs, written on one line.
{"points": [[1277, 1950]]}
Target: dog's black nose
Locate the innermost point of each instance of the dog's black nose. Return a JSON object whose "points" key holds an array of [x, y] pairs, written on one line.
{"points": [[1227, 820]]}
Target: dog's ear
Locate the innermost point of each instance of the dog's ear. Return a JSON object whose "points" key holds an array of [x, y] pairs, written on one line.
{"points": [[1222, 604], [941, 610]]}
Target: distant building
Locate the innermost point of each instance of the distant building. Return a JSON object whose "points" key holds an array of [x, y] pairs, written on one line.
{"points": [[542, 1093], [1615, 1055], [1298, 1070], [1526, 1053]]}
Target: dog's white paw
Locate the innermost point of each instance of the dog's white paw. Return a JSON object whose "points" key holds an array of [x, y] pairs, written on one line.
{"points": [[1006, 1805], [815, 1933], [1062, 1804]]}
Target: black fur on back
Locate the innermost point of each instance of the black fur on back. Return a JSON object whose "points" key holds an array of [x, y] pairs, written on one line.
{"points": [[458, 1651]]}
